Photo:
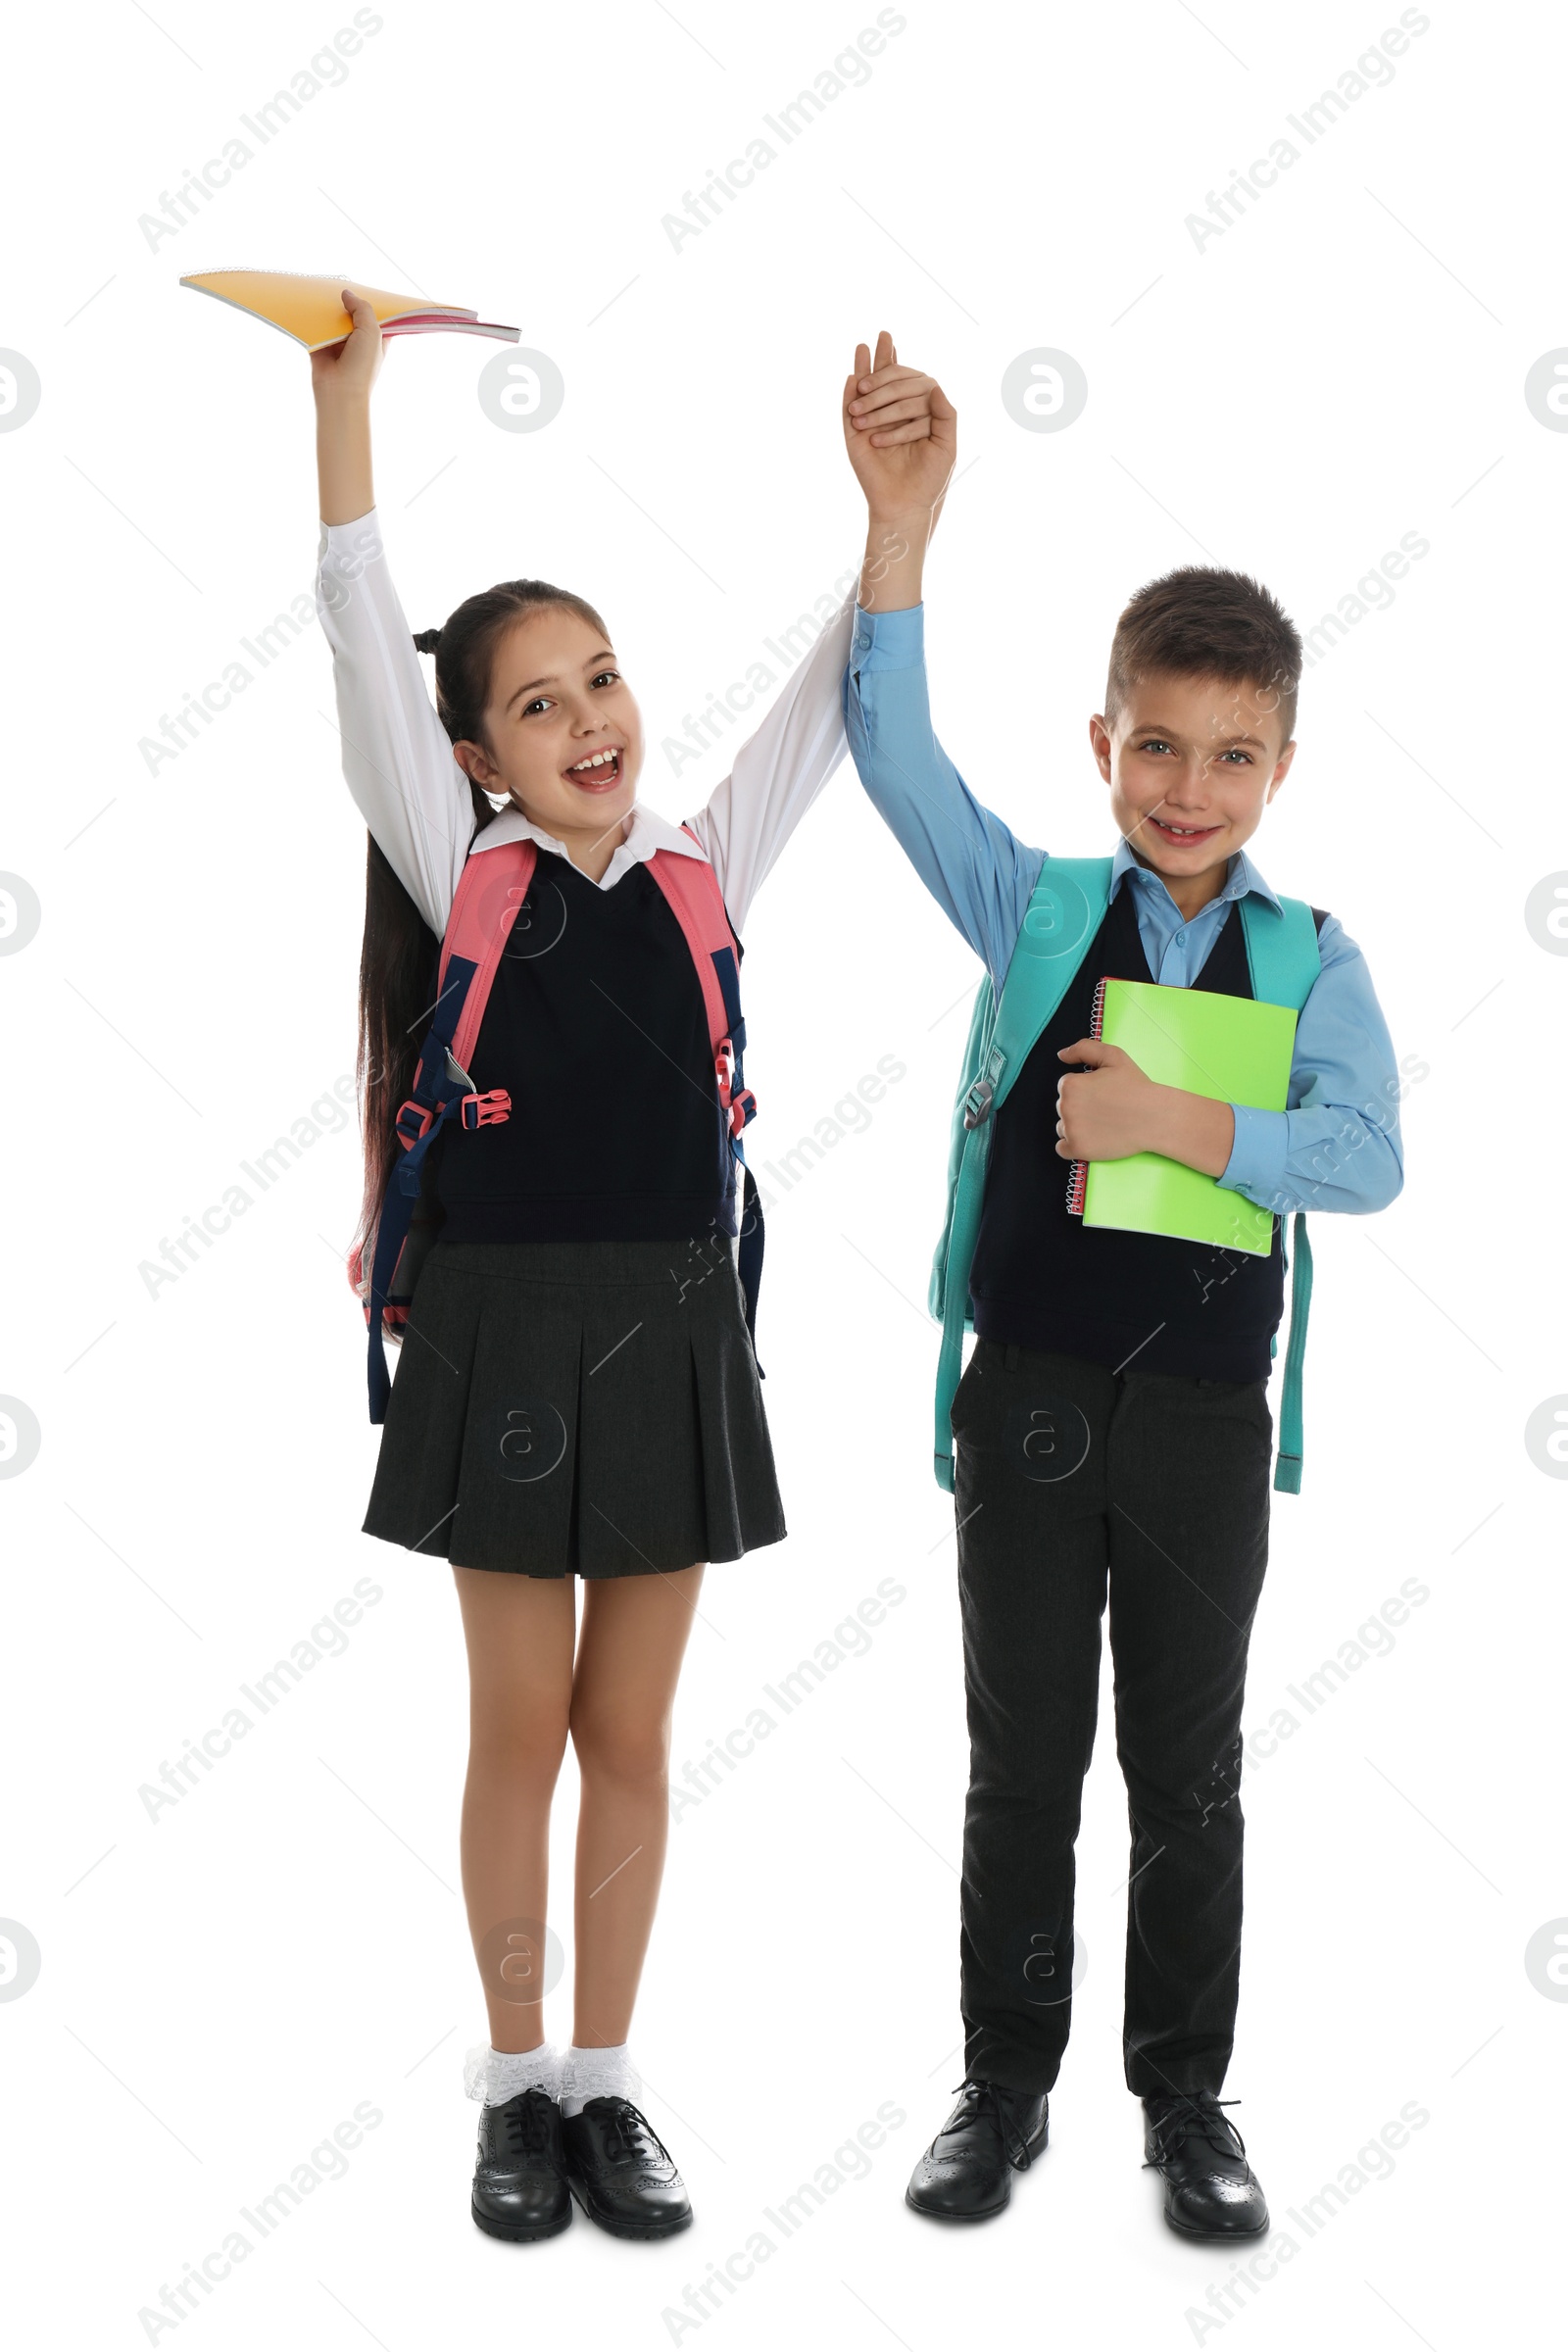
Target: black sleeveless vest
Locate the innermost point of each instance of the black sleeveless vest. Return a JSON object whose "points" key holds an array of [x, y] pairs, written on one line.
{"points": [[1042, 1279], [596, 1026]]}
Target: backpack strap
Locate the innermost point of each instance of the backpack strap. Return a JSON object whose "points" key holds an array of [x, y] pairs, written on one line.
{"points": [[1066, 909], [1282, 951], [1288, 1465], [982, 1020], [489, 899], [490, 893], [1284, 962], [697, 902], [691, 888]]}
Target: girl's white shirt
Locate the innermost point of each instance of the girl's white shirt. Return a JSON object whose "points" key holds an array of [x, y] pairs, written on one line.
{"points": [[415, 797]]}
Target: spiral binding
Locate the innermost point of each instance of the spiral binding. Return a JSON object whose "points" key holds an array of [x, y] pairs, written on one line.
{"points": [[1078, 1181]]}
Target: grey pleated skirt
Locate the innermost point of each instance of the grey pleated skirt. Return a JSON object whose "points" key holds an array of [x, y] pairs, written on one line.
{"points": [[576, 1407]]}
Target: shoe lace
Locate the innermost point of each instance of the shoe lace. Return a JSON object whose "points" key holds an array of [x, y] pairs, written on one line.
{"points": [[988, 2098], [525, 2123], [629, 2135], [1198, 2113]]}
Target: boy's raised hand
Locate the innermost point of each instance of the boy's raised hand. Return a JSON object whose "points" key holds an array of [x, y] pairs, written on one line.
{"points": [[900, 432]]}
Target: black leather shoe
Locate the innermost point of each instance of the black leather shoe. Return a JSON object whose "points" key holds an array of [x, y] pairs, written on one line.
{"points": [[621, 2173], [966, 2173], [520, 2183], [1210, 2188]]}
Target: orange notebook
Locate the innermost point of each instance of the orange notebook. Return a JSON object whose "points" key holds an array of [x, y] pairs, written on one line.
{"points": [[311, 309]]}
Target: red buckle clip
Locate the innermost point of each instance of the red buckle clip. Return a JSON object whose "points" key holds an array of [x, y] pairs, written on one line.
{"points": [[742, 1110], [487, 1110], [724, 1069], [422, 1122]]}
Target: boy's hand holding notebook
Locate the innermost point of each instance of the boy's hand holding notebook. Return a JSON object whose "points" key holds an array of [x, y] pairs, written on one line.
{"points": [[1228, 1049]]}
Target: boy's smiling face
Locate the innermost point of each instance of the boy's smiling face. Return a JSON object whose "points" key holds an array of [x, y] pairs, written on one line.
{"points": [[1192, 764]]}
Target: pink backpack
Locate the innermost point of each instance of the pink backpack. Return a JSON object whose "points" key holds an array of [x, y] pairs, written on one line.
{"points": [[490, 891]]}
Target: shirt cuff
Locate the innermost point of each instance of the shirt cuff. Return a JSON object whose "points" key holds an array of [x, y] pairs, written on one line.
{"points": [[359, 539], [888, 640], [1255, 1167]]}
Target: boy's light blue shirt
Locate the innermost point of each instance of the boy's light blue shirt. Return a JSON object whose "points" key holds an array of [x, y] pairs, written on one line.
{"points": [[1337, 1147]]}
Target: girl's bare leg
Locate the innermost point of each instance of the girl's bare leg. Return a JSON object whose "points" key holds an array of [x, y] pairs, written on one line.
{"points": [[520, 1631], [634, 1635]]}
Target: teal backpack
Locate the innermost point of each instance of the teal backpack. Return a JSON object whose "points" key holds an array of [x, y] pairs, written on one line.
{"points": [[1066, 909]]}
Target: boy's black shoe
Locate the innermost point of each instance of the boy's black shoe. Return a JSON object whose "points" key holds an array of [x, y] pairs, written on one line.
{"points": [[966, 2173], [520, 2183], [1210, 2188], [621, 2173]]}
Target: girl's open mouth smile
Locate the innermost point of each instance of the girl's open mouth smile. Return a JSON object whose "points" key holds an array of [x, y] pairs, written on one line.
{"points": [[598, 771]]}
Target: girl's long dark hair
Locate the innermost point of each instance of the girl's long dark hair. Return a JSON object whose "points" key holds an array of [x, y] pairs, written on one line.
{"points": [[399, 955]]}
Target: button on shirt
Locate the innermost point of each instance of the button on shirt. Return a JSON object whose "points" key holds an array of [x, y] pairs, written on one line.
{"points": [[1337, 1145]]}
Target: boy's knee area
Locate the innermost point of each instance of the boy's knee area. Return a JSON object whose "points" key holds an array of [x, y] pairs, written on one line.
{"points": [[1181, 1791]]}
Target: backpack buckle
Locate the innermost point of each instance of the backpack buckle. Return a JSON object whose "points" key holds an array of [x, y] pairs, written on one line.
{"points": [[977, 1104], [413, 1123], [742, 1110], [724, 1069], [486, 1111]]}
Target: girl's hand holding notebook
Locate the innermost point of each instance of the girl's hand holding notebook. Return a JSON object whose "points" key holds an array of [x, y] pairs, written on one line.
{"points": [[347, 370]]}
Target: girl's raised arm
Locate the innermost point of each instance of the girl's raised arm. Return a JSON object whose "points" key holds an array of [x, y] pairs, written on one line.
{"points": [[780, 769], [397, 757]]}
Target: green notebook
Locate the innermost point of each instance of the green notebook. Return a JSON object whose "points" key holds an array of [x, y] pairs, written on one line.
{"points": [[1231, 1049]]}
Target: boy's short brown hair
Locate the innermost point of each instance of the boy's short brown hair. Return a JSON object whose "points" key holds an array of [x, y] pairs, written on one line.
{"points": [[1200, 623]]}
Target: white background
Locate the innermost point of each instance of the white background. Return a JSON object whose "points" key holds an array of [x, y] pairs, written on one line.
{"points": [[1343, 364]]}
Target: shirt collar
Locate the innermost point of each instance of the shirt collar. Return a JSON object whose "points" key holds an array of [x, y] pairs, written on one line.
{"points": [[646, 833], [1242, 878]]}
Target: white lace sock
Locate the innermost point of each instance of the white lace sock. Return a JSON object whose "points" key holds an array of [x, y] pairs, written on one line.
{"points": [[598, 2074], [496, 2075]]}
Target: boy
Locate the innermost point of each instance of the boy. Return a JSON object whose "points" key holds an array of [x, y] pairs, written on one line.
{"points": [[1113, 1426]]}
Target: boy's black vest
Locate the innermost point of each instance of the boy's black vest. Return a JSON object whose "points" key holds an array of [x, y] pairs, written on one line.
{"points": [[1042, 1279]]}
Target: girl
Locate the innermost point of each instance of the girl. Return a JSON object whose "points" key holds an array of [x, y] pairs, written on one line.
{"points": [[577, 1394]]}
